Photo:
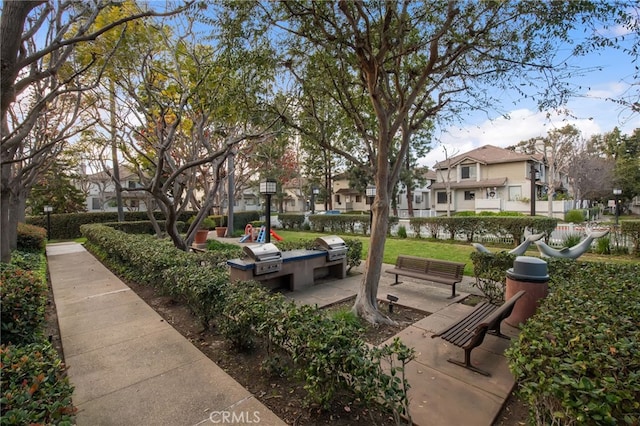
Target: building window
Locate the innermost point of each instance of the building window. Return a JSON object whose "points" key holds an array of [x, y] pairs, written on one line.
{"points": [[515, 193], [358, 198], [134, 204], [338, 198], [95, 204], [469, 195], [417, 199], [468, 172], [131, 184], [442, 197]]}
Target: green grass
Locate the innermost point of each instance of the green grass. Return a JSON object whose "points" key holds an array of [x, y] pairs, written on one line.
{"points": [[397, 246], [445, 250]]}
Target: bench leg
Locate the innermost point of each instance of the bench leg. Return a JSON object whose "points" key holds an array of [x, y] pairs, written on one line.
{"points": [[453, 292], [396, 282], [467, 363]]}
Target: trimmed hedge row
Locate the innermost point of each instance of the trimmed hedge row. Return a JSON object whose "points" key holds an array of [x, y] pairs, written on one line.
{"points": [[328, 356], [344, 223], [470, 226], [576, 361], [34, 386], [67, 226], [632, 229]]}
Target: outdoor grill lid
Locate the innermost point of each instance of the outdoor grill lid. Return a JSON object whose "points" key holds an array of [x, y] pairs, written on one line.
{"points": [[331, 242], [260, 252]]}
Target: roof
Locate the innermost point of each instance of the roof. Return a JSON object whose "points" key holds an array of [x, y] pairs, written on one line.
{"points": [[487, 154], [484, 183], [348, 191]]}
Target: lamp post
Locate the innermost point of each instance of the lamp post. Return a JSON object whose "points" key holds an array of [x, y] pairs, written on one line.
{"points": [[268, 188], [48, 210], [616, 193], [314, 192], [371, 194], [533, 173]]}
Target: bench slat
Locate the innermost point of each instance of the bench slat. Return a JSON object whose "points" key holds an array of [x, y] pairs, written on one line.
{"points": [[469, 331], [439, 271]]}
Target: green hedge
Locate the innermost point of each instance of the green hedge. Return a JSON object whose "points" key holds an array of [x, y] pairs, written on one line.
{"points": [[24, 297], [329, 357], [344, 223], [34, 386], [31, 237], [576, 360], [470, 226], [291, 220]]}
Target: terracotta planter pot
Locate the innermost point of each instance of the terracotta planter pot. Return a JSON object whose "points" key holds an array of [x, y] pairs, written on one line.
{"points": [[201, 236], [221, 231]]}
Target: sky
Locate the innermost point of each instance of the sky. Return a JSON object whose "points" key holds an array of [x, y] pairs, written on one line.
{"points": [[592, 112]]}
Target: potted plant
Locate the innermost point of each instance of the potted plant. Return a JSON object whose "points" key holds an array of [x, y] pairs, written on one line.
{"points": [[203, 232], [221, 230]]}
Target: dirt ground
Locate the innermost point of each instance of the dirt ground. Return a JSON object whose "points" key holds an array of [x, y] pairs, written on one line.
{"points": [[282, 394]]}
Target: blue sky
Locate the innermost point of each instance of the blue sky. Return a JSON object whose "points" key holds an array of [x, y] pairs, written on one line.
{"points": [[593, 112]]}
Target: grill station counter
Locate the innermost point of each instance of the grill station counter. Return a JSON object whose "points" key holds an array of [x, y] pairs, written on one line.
{"points": [[294, 269]]}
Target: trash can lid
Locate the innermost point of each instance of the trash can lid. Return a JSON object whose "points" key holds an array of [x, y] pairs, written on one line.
{"points": [[526, 268]]}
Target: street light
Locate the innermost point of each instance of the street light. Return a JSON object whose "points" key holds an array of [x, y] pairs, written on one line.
{"points": [[371, 194], [314, 192], [48, 210], [616, 193], [268, 188]]}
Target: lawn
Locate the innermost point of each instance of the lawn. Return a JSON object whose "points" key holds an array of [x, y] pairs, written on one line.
{"points": [[444, 250]]}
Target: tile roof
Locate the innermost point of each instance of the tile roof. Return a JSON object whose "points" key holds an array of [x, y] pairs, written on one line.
{"points": [[487, 154]]}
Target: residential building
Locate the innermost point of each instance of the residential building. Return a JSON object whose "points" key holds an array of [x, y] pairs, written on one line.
{"points": [[101, 195], [495, 179]]}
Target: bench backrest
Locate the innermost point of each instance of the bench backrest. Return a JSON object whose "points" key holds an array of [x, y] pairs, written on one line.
{"points": [[440, 268], [445, 269], [492, 322], [412, 263]]}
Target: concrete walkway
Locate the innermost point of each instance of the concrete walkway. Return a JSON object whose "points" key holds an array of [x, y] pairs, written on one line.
{"points": [[129, 367]]}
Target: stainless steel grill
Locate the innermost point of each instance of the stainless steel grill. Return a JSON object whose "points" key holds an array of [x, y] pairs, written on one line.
{"points": [[334, 246], [267, 258]]}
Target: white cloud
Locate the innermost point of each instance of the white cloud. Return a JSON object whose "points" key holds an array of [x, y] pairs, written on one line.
{"points": [[523, 124]]}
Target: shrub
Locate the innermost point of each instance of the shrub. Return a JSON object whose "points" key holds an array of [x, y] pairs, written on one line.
{"points": [[603, 245], [575, 216], [576, 360], [35, 389], [24, 296], [326, 354], [30, 237], [402, 231], [571, 240]]}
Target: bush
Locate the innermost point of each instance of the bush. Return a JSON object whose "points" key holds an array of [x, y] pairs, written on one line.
{"points": [[402, 231], [571, 240], [30, 237], [35, 389], [575, 216], [326, 354], [576, 360], [24, 297]]}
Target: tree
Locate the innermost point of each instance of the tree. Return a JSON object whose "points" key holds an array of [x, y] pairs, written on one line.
{"points": [[38, 79], [413, 64], [56, 188], [189, 106]]}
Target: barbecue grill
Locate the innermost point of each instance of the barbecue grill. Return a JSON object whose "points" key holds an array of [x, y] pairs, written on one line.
{"points": [[267, 258], [334, 246]]}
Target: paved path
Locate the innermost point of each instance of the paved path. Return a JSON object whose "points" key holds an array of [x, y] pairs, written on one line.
{"points": [[129, 367]]}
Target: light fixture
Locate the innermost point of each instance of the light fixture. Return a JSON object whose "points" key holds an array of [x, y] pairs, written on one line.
{"points": [[268, 187]]}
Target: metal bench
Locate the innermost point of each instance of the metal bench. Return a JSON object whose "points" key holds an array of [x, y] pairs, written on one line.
{"points": [[469, 331], [440, 271]]}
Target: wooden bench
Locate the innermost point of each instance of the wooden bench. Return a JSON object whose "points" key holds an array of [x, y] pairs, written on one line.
{"points": [[469, 331], [440, 271]]}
